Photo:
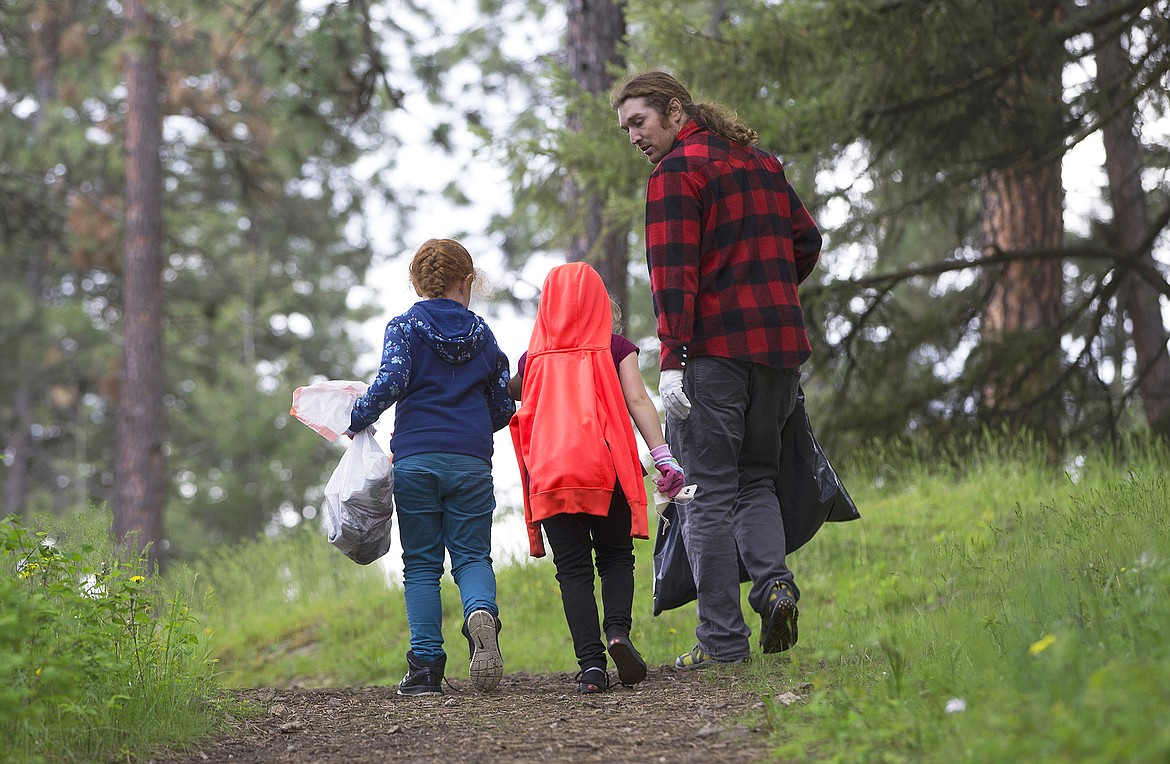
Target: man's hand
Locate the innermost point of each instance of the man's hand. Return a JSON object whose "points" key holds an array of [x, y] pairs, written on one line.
{"points": [[674, 400]]}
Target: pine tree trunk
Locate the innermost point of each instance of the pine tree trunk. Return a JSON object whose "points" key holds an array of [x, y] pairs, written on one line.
{"points": [[1139, 299], [1022, 212], [1023, 205], [595, 29], [138, 457]]}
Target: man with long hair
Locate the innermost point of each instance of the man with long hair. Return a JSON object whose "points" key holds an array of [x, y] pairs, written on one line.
{"points": [[727, 243]]}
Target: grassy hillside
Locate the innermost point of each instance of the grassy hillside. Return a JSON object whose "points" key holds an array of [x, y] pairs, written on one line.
{"points": [[991, 607]]}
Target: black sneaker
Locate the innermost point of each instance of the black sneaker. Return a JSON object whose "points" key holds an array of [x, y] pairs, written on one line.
{"points": [[778, 619], [487, 665], [422, 677], [592, 680], [630, 666]]}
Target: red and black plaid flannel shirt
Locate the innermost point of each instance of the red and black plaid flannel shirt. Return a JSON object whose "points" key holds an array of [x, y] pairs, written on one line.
{"points": [[727, 243]]}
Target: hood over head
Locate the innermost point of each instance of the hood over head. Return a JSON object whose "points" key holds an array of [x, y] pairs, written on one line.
{"points": [[574, 311]]}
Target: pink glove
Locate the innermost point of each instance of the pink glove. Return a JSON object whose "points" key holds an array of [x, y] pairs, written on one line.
{"points": [[670, 480]]}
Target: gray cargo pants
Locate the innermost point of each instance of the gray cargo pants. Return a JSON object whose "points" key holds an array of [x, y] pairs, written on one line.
{"points": [[729, 446]]}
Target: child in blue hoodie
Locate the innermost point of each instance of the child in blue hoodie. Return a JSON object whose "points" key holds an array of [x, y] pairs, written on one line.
{"points": [[442, 367]]}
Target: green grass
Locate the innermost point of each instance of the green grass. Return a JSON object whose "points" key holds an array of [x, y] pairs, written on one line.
{"points": [[295, 610], [1035, 604], [98, 660], [989, 606], [1031, 596]]}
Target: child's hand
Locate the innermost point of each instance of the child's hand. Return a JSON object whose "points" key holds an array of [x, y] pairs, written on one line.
{"points": [[671, 479]]}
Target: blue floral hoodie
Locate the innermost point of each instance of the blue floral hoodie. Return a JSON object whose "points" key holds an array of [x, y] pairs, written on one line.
{"points": [[442, 366]]}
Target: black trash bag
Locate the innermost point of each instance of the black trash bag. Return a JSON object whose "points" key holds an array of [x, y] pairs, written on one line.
{"points": [[809, 490], [674, 582], [810, 494]]}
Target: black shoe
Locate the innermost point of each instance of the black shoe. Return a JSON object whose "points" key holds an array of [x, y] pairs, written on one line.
{"points": [[592, 680], [487, 665], [778, 619], [630, 666], [422, 677]]}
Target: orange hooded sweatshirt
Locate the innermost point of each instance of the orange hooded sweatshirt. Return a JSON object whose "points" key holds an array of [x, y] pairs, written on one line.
{"points": [[572, 433]]}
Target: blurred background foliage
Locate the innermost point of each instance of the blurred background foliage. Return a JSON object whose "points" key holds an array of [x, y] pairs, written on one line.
{"points": [[991, 179]]}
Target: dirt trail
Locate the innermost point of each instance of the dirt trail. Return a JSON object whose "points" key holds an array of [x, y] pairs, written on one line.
{"points": [[671, 717]]}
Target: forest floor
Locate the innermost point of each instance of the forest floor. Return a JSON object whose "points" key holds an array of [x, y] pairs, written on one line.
{"points": [[673, 716]]}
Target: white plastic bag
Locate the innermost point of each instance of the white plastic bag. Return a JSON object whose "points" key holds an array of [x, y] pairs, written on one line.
{"points": [[325, 406], [359, 500], [359, 497]]}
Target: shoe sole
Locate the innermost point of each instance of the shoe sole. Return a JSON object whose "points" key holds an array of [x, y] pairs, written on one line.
{"points": [[630, 667], [419, 694], [781, 631], [487, 665]]}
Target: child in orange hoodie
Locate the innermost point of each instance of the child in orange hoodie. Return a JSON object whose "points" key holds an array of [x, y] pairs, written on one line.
{"points": [[583, 480]]}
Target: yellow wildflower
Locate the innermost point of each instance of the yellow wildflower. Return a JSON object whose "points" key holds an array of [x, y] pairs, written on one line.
{"points": [[1041, 644]]}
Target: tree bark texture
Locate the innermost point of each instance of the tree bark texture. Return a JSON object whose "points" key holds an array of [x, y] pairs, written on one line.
{"points": [[1131, 220], [138, 457], [595, 29], [1023, 207], [1022, 212]]}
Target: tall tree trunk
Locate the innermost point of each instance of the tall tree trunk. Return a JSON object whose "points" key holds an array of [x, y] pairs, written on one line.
{"points": [[1023, 211], [46, 33], [595, 29], [1139, 299], [138, 457]]}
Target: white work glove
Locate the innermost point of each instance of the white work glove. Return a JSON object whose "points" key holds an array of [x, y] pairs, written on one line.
{"points": [[674, 400]]}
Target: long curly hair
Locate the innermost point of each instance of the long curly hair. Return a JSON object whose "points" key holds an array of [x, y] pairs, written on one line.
{"points": [[438, 265], [658, 88]]}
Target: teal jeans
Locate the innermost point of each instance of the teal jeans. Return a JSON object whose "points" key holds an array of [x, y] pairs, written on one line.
{"points": [[444, 504]]}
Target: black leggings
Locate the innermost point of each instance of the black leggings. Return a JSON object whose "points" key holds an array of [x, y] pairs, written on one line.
{"points": [[574, 538]]}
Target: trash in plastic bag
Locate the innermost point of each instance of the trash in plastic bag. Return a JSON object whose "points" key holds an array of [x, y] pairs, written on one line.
{"points": [[684, 496], [325, 406], [808, 487], [359, 497], [810, 494], [674, 581], [359, 501]]}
